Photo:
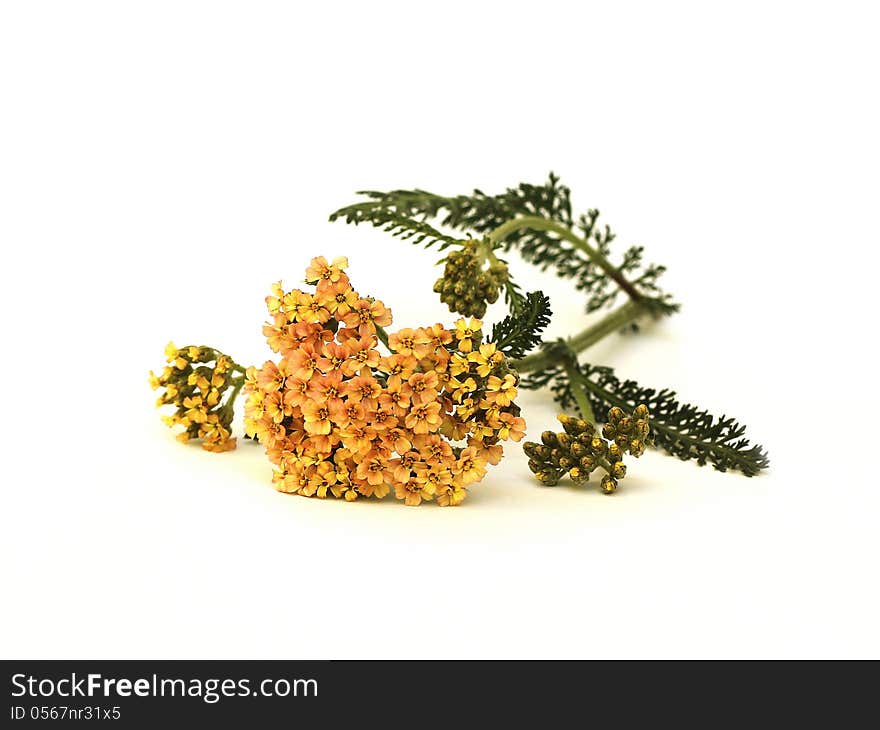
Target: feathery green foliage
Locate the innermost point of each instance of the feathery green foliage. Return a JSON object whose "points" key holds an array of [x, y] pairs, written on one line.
{"points": [[682, 430], [398, 223], [520, 331], [577, 248], [479, 213]]}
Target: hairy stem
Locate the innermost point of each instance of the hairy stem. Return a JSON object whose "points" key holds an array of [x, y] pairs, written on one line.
{"points": [[542, 224]]}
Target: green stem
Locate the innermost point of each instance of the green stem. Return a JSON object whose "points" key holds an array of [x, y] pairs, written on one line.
{"points": [[233, 394], [383, 336], [542, 224], [579, 395], [614, 321]]}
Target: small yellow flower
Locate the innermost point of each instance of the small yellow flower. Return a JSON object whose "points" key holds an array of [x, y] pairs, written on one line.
{"points": [[460, 389], [466, 331], [487, 358], [501, 391], [450, 495], [458, 364], [274, 302]]}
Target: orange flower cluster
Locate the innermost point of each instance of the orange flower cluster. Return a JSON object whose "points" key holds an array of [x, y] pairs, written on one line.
{"points": [[338, 418], [196, 389]]}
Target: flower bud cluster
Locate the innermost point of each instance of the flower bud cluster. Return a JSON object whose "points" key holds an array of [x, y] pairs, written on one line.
{"points": [[466, 286], [580, 449]]}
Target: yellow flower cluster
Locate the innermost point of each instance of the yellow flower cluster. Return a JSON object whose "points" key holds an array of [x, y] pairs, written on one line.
{"points": [[195, 382], [338, 418]]}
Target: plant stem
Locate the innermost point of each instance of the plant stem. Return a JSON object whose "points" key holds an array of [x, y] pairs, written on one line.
{"points": [[578, 393], [383, 335], [542, 224], [614, 321], [233, 394]]}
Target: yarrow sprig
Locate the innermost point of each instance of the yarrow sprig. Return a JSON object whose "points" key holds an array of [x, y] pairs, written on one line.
{"points": [[349, 409]]}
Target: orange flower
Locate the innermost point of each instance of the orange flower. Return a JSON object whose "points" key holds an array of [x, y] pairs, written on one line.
{"points": [[410, 342], [337, 297], [438, 337], [333, 357], [423, 417], [399, 439], [402, 467], [379, 491], [270, 377], [470, 467], [491, 454], [327, 390], [513, 428], [433, 448], [358, 438], [345, 413], [345, 489], [277, 333], [295, 392], [274, 302], [383, 418], [320, 269], [296, 304], [316, 417], [449, 495], [362, 355], [395, 396], [275, 407], [422, 387], [402, 365], [373, 469], [304, 362], [366, 315], [412, 492], [363, 387]]}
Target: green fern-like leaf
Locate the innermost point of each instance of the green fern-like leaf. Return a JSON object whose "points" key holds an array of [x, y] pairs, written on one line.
{"points": [[520, 331], [397, 222], [480, 213], [682, 430]]}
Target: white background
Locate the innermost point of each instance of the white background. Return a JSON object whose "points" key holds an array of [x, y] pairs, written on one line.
{"points": [[162, 163]]}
